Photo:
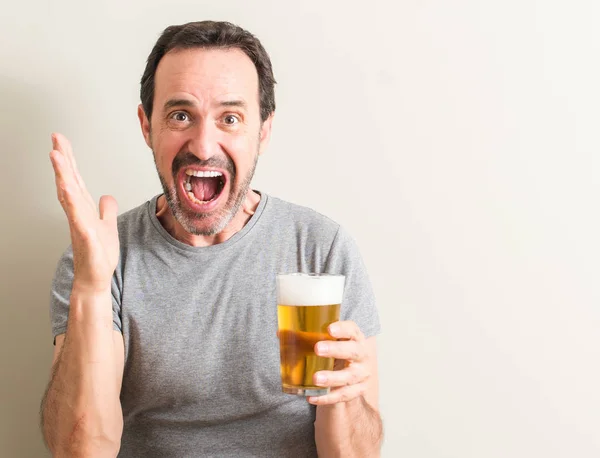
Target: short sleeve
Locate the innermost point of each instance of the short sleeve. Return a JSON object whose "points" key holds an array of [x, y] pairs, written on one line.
{"points": [[62, 284], [358, 303]]}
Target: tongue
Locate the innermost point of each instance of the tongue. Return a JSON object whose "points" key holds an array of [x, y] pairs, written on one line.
{"points": [[205, 188]]}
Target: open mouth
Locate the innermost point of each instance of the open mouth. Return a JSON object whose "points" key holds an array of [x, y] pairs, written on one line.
{"points": [[203, 186]]}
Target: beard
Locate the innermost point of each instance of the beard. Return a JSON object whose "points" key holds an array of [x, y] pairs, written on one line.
{"points": [[214, 222]]}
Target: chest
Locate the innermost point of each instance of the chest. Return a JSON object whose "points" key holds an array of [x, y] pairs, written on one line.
{"points": [[200, 341]]}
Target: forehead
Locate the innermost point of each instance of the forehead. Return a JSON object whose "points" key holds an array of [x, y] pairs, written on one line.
{"points": [[206, 74]]}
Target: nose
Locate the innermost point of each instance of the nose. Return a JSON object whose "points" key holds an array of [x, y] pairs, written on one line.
{"points": [[203, 144]]}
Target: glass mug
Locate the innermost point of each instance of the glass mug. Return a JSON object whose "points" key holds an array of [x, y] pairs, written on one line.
{"points": [[307, 303]]}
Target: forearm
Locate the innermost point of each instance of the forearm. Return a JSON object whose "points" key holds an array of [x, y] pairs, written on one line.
{"points": [[81, 412], [348, 429]]}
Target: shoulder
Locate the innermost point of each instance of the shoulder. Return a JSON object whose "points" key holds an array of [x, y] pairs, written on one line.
{"points": [[135, 226], [131, 219], [308, 226], [292, 216]]}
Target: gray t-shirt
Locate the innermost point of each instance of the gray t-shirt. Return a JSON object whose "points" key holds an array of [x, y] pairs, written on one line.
{"points": [[201, 375]]}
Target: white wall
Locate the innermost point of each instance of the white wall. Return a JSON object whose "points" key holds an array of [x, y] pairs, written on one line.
{"points": [[457, 140]]}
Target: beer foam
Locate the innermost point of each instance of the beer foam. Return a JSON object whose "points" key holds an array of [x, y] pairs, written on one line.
{"points": [[310, 289]]}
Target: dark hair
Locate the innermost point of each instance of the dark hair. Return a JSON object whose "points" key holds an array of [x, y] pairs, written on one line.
{"points": [[211, 34]]}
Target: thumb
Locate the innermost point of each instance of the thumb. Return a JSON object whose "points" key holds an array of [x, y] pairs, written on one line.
{"points": [[108, 208]]}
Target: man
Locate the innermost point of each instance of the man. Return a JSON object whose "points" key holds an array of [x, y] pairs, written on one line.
{"points": [[165, 318]]}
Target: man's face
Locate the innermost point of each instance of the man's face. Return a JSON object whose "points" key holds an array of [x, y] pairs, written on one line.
{"points": [[206, 134]]}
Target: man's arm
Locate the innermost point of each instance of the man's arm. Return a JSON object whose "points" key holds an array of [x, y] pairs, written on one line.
{"points": [[81, 412], [348, 423]]}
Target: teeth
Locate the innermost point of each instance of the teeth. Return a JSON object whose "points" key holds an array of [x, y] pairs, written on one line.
{"points": [[203, 173], [188, 186]]}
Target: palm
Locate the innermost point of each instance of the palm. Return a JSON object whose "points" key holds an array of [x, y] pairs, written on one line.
{"points": [[94, 234]]}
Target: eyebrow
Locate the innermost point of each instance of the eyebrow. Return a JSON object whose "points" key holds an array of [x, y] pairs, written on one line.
{"points": [[234, 103], [188, 103], [177, 103]]}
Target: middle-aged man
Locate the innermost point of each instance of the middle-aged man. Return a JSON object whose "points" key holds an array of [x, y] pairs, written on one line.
{"points": [[165, 318]]}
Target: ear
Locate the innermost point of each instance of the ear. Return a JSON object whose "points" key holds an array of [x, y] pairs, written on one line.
{"points": [[265, 133], [145, 125]]}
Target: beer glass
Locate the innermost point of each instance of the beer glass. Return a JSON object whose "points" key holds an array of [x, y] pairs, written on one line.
{"points": [[306, 305]]}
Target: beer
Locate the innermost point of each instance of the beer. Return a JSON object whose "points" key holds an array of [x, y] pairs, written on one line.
{"points": [[307, 305]]}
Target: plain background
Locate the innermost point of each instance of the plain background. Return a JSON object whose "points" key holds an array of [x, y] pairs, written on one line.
{"points": [[456, 140]]}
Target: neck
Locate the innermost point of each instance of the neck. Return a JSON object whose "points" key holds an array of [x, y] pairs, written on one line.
{"points": [[172, 226]]}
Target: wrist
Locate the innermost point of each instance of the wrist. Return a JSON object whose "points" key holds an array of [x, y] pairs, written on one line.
{"points": [[355, 404], [90, 290], [90, 304]]}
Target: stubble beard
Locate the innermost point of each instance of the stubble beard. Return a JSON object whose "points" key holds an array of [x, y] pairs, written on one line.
{"points": [[189, 219]]}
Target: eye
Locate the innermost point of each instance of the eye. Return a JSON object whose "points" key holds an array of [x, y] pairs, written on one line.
{"points": [[231, 120], [180, 116]]}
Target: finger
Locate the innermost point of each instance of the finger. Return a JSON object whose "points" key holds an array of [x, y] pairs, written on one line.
{"points": [[108, 208], [55, 143], [352, 375], [67, 149], [61, 173], [62, 168], [63, 145], [350, 350], [345, 330], [55, 159], [75, 207], [60, 143], [64, 177], [71, 157], [68, 192], [344, 394], [58, 146]]}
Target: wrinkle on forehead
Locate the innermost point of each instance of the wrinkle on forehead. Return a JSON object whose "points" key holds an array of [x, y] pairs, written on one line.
{"points": [[208, 75]]}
